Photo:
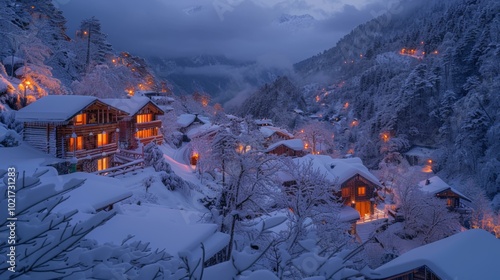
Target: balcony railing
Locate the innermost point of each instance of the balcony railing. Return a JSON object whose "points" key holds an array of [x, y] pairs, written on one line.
{"points": [[79, 154], [147, 125]]}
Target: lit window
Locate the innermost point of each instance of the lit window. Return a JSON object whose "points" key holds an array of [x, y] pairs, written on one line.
{"points": [[81, 119], [102, 139], [103, 163], [346, 192], [361, 191], [78, 145], [142, 118], [145, 133]]}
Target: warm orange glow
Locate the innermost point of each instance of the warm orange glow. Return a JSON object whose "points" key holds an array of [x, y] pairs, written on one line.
{"points": [[362, 191], [422, 42], [354, 123], [318, 99], [350, 151], [204, 101], [85, 32], [306, 146], [429, 161], [75, 144], [102, 139], [113, 60], [346, 105], [385, 136], [436, 52], [81, 119], [427, 169], [143, 118], [361, 55], [194, 158], [145, 133], [103, 163]]}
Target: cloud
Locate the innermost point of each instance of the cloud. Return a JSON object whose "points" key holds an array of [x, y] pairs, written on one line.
{"points": [[241, 29]]}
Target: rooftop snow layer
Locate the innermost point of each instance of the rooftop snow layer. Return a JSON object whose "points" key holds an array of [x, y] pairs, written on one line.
{"points": [[437, 185], [268, 131], [472, 254], [131, 105], [338, 169], [294, 144], [54, 108]]}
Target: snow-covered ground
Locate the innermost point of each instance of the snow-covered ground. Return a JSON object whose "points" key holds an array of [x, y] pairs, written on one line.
{"points": [[166, 219]]}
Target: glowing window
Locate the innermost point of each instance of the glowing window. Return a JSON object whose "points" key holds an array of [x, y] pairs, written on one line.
{"points": [[145, 133], [103, 163], [346, 192], [142, 118], [75, 145], [81, 119], [362, 191], [102, 139]]}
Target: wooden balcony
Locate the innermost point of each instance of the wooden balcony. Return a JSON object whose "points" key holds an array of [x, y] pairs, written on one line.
{"points": [[88, 128], [158, 139], [79, 154]]}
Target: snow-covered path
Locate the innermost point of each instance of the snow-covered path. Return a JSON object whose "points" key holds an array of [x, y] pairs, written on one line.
{"points": [[174, 157]]}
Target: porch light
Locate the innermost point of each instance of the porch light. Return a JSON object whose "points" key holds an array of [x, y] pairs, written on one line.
{"points": [[117, 130], [91, 134]]}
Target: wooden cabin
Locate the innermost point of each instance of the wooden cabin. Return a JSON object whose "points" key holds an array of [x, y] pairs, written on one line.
{"points": [[81, 129], [291, 148], [437, 187], [360, 193], [142, 125], [274, 134], [350, 179]]}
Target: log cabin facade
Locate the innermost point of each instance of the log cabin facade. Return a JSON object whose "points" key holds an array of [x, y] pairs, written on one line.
{"points": [[359, 193], [80, 129], [142, 125]]}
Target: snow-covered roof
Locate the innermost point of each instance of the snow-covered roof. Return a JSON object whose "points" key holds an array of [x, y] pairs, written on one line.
{"points": [[130, 105], [422, 152], [348, 214], [8, 60], [294, 144], [472, 254], [264, 122], [186, 120], [268, 131], [437, 185], [341, 169], [298, 111], [54, 108], [202, 130]]}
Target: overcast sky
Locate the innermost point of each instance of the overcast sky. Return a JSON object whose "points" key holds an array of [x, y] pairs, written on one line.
{"points": [[240, 29]]}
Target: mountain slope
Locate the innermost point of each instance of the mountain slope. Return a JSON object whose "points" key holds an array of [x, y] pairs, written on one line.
{"points": [[427, 75]]}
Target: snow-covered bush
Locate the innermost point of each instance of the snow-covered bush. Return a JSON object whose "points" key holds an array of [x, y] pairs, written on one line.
{"points": [[8, 137], [45, 240], [153, 157]]}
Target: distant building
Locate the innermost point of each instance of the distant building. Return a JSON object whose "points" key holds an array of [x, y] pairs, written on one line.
{"points": [[357, 185], [291, 148], [437, 187]]}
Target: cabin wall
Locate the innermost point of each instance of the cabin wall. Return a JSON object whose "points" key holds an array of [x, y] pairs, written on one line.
{"points": [[353, 194]]}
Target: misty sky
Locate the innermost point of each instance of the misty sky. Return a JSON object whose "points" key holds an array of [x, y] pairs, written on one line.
{"points": [[240, 29]]}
